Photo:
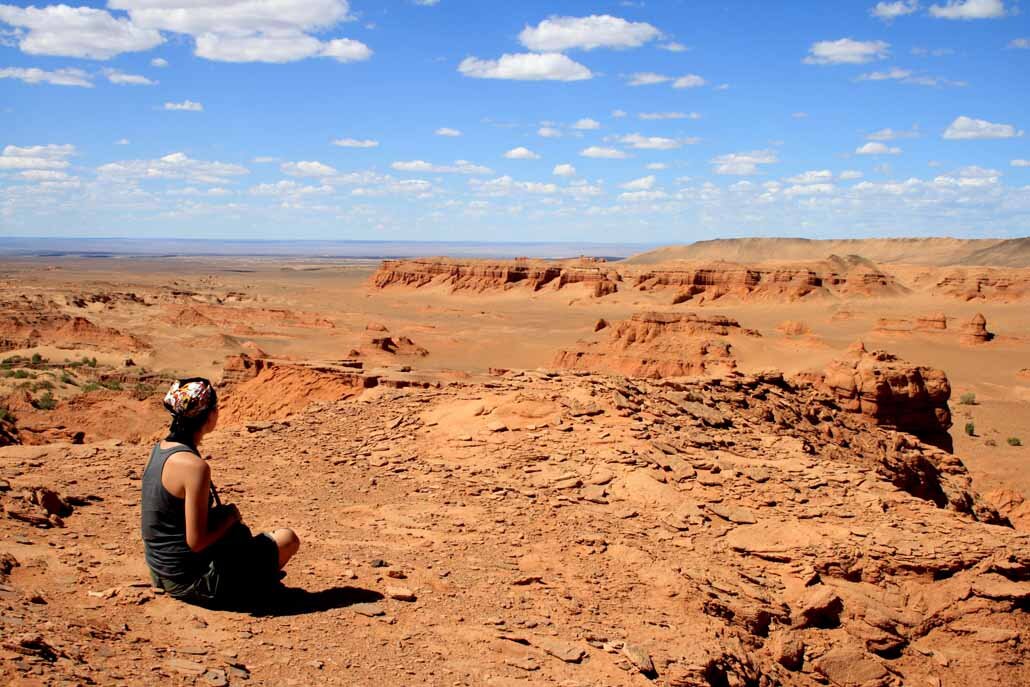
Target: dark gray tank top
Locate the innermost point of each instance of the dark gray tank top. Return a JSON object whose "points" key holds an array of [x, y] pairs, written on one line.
{"points": [[164, 524]]}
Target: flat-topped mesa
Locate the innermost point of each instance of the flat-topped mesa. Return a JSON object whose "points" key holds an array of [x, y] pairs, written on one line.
{"points": [[892, 393], [975, 331], [706, 282], [935, 322], [999, 285], [657, 345], [490, 275]]}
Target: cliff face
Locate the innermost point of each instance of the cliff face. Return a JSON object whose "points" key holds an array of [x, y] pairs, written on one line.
{"points": [[26, 323], [893, 393], [984, 284], [485, 275], [656, 345], [709, 282]]}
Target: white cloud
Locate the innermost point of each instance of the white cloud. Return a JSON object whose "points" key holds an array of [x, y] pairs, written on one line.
{"points": [[427, 3], [521, 153], [889, 134], [46, 157], [1023, 43], [809, 190], [251, 30], [654, 142], [356, 143], [743, 164], [799, 115], [618, 114], [642, 196], [673, 46], [173, 166], [604, 153], [446, 131], [587, 124], [964, 128], [889, 11], [185, 105], [641, 184], [459, 167], [689, 81], [123, 79], [969, 9], [906, 76], [548, 132], [814, 176], [657, 166], [122, 142], [307, 168], [502, 186], [647, 79], [77, 32], [43, 175], [1020, 163], [526, 67], [668, 115], [556, 34], [849, 174], [564, 170], [159, 62], [60, 77], [876, 148], [846, 51]]}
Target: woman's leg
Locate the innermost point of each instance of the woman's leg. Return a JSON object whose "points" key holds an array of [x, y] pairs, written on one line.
{"points": [[288, 543]]}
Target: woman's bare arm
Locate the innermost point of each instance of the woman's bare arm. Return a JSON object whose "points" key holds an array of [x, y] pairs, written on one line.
{"points": [[197, 483]]}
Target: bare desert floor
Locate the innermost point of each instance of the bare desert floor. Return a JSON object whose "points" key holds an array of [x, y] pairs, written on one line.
{"points": [[497, 480]]}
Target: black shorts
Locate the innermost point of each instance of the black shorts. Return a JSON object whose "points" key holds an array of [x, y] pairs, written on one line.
{"points": [[242, 567]]}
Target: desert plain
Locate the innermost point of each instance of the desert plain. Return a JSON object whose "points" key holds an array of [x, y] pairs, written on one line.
{"points": [[738, 462]]}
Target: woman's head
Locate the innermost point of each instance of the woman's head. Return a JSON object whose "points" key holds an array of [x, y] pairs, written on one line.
{"points": [[193, 405]]}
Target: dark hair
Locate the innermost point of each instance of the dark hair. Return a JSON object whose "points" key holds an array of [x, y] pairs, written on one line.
{"points": [[183, 430]]}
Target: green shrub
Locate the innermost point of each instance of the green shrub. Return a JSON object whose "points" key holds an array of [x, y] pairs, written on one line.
{"points": [[92, 362], [45, 384], [1014, 441], [21, 374], [37, 359], [971, 429], [45, 402], [967, 399], [143, 391], [6, 415], [67, 379], [112, 384], [90, 387]]}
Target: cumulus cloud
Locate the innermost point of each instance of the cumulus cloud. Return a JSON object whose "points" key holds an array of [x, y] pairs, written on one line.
{"points": [[743, 164], [689, 81], [356, 143], [641, 184], [526, 67], [654, 142], [521, 153], [505, 185], [548, 132], [669, 115], [647, 79], [447, 131], [846, 51], [1020, 163], [59, 77], [618, 114], [811, 177], [459, 167], [159, 62], [556, 34], [889, 11], [587, 124], [642, 196], [969, 9], [173, 166], [876, 148], [657, 166], [123, 79], [77, 32], [906, 76], [965, 128], [889, 134], [604, 153], [849, 174], [564, 170], [41, 157], [307, 168], [185, 105]]}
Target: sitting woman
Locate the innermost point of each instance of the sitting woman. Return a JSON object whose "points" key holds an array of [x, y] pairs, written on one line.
{"points": [[198, 549]]}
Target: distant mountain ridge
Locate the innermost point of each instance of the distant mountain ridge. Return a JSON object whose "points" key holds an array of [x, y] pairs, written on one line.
{"points": [[914, 251]]}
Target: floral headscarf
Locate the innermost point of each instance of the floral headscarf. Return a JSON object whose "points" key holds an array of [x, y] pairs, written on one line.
{"points": [[190, 398]]}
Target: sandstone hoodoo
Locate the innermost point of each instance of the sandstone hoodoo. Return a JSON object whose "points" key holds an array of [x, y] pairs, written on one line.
{"points": [[378, 340], [489, 275], [656, 345], [893, 393], [706, 282], [975, 331]]}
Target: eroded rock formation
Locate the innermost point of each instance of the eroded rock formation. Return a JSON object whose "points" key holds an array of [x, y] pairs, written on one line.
{"points": [[975, 331]]}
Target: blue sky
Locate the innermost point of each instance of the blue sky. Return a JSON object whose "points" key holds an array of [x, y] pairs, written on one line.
{"points": [[448, 120]]}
